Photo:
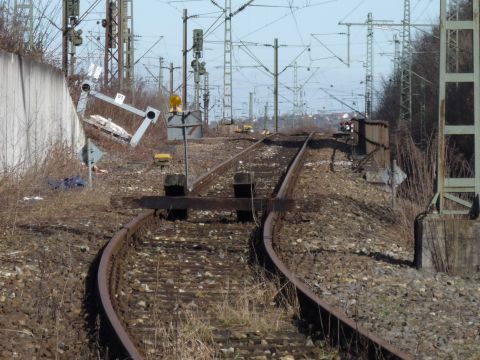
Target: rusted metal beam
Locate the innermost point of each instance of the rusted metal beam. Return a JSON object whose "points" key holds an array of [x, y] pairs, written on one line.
{"points": [[207, 203]]}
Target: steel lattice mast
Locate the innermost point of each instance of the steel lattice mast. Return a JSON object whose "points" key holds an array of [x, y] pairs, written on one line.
{"points": [[396, 58], [369, 69], [119, 44], [448, 188], [296, 105], [110, 65], [453, 37], [406, 69], [227, 65]]}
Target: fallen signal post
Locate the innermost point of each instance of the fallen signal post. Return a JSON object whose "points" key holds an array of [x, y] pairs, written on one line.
{"points": [[150, 115]]}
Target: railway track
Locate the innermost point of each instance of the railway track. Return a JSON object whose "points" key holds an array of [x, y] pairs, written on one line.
{"points": [[155, 276]]}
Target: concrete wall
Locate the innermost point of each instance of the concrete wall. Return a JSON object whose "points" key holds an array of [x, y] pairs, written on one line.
{"points": [[447, 244], [36, 113]]}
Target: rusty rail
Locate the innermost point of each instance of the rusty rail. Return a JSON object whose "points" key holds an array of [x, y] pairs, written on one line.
{"points": [[201, 182], [332, 322], [108, 272], [107, 281]]}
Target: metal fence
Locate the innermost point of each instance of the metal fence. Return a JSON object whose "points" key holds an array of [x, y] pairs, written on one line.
{"points": [[373, 140]]}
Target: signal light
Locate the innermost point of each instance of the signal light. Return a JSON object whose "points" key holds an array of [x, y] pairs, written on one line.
{"points": [[175, 104]]}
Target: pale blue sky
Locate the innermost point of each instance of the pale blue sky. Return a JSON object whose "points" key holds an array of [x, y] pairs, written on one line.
{"points": [[257, 24]]}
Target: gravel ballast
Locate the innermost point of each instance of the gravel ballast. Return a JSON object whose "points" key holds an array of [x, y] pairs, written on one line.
{"points": [[351, 252]]}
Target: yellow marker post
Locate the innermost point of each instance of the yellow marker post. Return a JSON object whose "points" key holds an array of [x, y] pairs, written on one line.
{"points": [[175, 107]]}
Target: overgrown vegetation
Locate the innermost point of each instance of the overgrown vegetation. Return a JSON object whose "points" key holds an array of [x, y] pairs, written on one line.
{"points": [[42, 46], [425, 69], [416, 148]]}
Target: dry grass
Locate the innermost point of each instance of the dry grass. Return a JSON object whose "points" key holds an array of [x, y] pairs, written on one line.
{"points": [[16, 187], [191, 336], [255, 307], [416, 193], [188, 338]]}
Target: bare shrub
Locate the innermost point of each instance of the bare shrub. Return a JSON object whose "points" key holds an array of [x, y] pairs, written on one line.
{"points": [[42, 47]]}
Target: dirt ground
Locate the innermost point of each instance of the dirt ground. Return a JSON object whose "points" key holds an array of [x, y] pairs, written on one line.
{"points": [[49, 247], [354, 255]]}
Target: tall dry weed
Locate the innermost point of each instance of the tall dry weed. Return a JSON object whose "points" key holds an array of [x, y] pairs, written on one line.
{"points": [[418, 190]]}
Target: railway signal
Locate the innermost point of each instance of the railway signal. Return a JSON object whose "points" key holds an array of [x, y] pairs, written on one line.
{"points": [[76, 37]]}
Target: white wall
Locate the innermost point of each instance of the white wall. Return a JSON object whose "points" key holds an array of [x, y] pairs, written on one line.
{"points": [[36, 113]]}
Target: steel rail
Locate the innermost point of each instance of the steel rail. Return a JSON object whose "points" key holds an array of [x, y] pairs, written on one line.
{"points": [[201, 182], [107, 277], [333, 322]]}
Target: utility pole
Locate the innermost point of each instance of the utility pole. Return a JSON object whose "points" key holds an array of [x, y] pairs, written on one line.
{"points": [[227, 65], [250, 107], [184, 91], [406, 69], [120, 42], [302, 103], [128, 42], [423, 114], [384, 23], [198, 67], [65, 35], [184, 60], [23, 11], [71, 38], [111, 25], [160, 76], [295, 89], [275, 91], [227, 58], [171, 79], [265, 117], [369, 69], [206, 100]]}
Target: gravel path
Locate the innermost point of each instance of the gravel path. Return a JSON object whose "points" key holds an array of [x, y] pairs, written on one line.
{"points": [[352, 254]]}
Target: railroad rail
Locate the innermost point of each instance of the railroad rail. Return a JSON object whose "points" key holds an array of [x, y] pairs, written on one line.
{"points": [[107, 278], [332, 322], [111, 280]]}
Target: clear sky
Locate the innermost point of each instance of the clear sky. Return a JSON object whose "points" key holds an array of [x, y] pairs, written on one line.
{"points": [[292, 22]]}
